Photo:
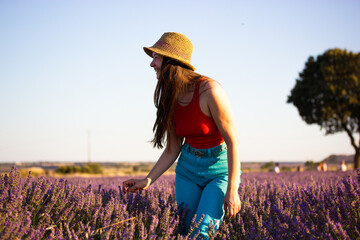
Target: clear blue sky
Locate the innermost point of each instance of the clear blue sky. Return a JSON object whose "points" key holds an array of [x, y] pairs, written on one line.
{"points": [[67, 67]]}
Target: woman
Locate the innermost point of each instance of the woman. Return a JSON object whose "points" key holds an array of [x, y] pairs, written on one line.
{"points": [[195, 121]]}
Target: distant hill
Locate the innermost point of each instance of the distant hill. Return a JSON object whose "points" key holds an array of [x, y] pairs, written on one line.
{"points": [[336, 159]]}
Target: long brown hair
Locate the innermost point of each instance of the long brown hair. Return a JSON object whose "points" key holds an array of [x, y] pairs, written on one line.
{"points": [[174, 80]]}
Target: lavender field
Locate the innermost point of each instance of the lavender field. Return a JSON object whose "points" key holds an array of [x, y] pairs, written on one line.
{"points": [[289, 205]]}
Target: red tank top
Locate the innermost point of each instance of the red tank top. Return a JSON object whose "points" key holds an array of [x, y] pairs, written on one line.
{"points": [[199, 130]]}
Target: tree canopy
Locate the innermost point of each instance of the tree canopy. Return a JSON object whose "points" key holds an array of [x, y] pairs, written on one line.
{"points": [[327, 93]]}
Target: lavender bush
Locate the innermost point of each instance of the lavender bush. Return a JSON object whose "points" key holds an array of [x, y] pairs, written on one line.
{"points": [[290, 205]]}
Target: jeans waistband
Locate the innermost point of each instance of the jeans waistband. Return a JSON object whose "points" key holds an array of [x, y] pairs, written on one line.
{"points": [[204, 153]]}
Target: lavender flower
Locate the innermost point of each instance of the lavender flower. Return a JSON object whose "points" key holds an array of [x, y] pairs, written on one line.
{"points": [[293, 205]]}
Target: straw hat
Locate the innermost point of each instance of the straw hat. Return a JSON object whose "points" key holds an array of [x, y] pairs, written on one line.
{"points": [[175, 46]]}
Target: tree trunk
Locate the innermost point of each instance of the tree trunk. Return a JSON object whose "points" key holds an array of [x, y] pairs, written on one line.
{"points": [[357, 159], [357, 155], [356, 147]]}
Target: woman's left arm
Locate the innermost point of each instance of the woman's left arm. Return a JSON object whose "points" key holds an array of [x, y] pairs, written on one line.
{"points": [[220, 110]]}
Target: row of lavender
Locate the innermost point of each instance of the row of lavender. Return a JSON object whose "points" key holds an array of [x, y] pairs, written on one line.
{"points": [[294, 205]]}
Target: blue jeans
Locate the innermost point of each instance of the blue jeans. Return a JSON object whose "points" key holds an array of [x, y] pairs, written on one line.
{"points": [[201, 183]]}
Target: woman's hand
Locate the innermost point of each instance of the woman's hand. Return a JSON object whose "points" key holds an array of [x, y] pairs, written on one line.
{"points": [[232, 203], [134, 185]]}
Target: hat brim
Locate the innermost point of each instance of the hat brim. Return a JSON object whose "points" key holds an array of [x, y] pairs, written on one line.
{"points": [[149, 51]]}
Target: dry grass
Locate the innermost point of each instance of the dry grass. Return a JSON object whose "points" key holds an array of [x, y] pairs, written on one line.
{"points": [[133, 169]]}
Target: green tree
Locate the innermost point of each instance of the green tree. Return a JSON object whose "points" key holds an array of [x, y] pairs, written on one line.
{"points": [[327, 93], [311, 165], [268, 165]]}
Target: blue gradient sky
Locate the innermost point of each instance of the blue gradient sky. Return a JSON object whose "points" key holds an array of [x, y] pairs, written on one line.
{"points": [[67, 67]]}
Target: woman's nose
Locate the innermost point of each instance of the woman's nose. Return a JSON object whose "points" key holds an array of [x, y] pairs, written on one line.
{"points": [[152, 64]]}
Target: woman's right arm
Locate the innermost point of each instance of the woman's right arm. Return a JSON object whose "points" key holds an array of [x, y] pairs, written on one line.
{"points": [[166, 159]]}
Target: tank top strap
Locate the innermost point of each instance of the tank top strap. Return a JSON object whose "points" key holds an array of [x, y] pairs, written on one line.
{"points": [[197, 89], [196, 92]]}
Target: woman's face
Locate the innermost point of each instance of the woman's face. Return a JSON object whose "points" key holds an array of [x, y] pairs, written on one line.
{"points": [[156, 63]]}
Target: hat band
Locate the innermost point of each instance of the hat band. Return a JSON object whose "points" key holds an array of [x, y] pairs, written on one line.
{"points": [[165, 46]]}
